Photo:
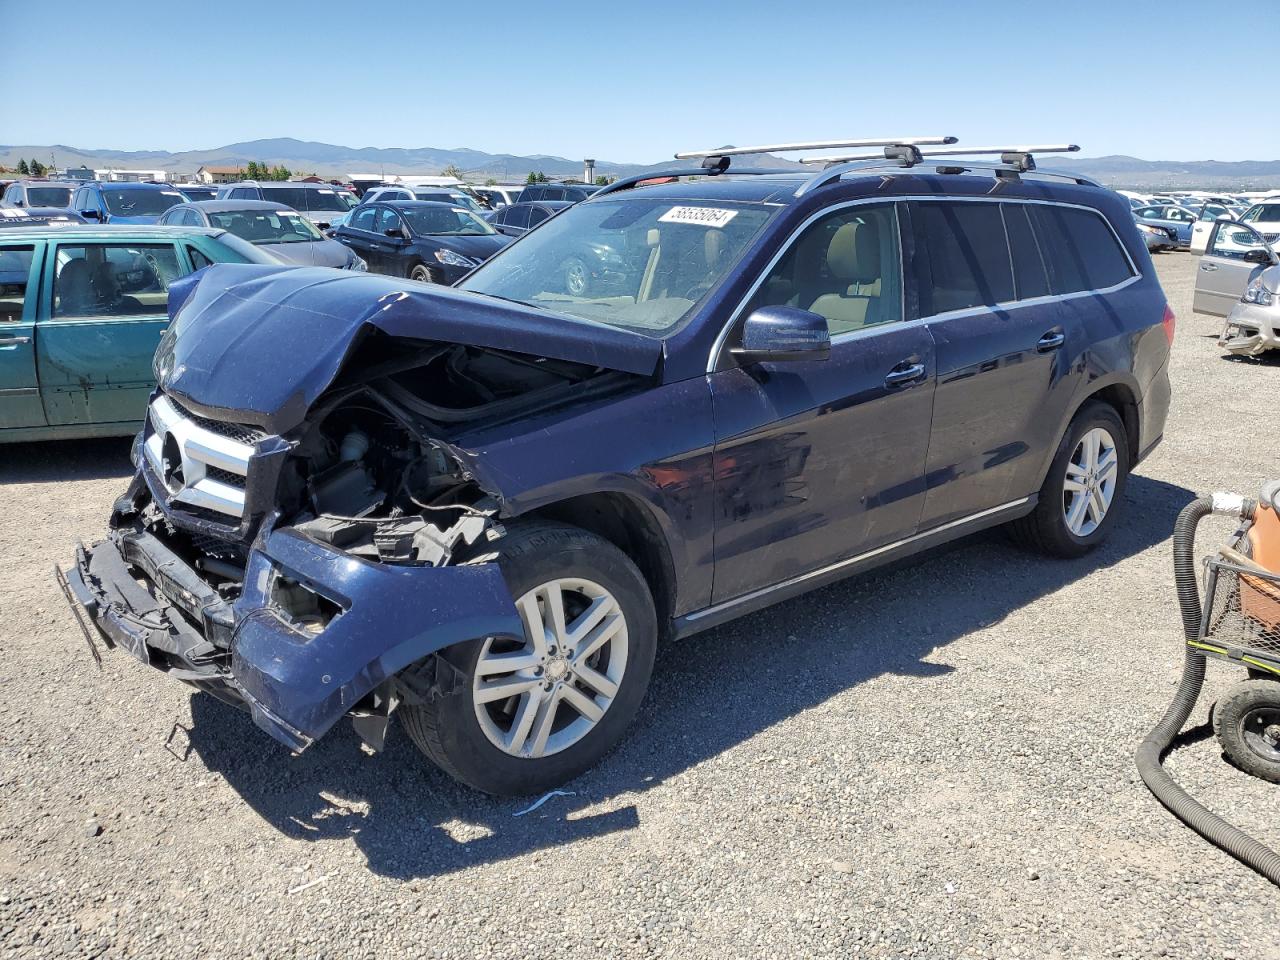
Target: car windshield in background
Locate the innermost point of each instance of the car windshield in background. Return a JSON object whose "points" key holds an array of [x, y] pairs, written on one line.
{"points": [[1263, 212], [192, 193], [266, 226], [307, 200], [48, 196], [442, 221], [140, 203], [652, 259]]}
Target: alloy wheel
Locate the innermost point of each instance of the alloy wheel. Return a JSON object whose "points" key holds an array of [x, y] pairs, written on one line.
{"points": [[1090, 482], [575, 278], [539, 697]]}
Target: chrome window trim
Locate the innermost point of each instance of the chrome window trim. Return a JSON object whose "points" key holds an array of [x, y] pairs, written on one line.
{"points": [[849, 561], [719, 343]]}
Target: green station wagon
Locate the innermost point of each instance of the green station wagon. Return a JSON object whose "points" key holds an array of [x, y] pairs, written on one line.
{"points": [[81, 312]]}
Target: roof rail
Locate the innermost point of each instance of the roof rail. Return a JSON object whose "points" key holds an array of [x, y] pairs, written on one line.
{"points": [[1017, 156], [811, 145]]}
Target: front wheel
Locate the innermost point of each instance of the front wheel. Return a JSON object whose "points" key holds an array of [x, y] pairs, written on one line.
{"points": [[422, 273], [1081, 493], [537, 711]]}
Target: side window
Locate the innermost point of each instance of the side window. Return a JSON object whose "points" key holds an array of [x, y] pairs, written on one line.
{"points": [[363, 219], [191, 218], [499, 217], [962, 256], [846, 267], [1234, 240], [198, 260], [537, 215], [108, 280], [388, 219], [553, 193], [1081, 250], [533, 193], [1030, 272], [517, 217], [15, 273]]}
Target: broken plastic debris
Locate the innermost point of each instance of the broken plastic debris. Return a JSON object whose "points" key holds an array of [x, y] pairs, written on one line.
{"points": [[540, 801], [310, 883]]}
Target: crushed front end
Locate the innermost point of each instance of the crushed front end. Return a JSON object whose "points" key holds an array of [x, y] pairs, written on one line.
{"points": [[338, 609]]}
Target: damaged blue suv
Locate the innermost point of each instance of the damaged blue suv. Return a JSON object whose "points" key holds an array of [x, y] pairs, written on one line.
{"points": [[482, 508]]}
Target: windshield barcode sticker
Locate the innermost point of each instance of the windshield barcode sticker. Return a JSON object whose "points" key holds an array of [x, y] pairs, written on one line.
{"points": [[704, 216]]}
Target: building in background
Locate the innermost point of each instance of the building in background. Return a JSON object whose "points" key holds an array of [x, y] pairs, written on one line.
{"points": [[116, 175], [219, 174]]}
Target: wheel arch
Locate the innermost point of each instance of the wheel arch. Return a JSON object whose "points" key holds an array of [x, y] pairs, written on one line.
{"points": [[1119, 394], [630, 525]]}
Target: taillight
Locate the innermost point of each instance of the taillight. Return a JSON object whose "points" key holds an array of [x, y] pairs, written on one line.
{"points": [[1169, 323]]}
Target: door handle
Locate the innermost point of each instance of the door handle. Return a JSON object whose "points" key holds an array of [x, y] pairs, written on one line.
{"points": [[903, 374], [13, 339], [1051, 341], [1208, 267]]}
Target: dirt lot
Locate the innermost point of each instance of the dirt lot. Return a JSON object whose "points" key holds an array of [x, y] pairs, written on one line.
{"points": [[933, 762]]}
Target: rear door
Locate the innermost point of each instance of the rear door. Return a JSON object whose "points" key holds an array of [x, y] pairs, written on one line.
{"points": [[1233, 258], [19, 298], [1004, 348], [358, 234], [108, 306]]}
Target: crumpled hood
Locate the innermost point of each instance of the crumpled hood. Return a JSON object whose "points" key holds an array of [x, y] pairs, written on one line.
{"points": [[258, 344]]}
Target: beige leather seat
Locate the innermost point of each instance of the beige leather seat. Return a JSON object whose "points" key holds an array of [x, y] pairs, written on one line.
{"points": [[853, 258]]}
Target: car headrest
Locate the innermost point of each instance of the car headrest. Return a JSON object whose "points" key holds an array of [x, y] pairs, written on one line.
{"points": [[854, 252], [75, 286]]}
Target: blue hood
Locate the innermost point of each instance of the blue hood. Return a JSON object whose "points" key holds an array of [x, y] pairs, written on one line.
{"points": [[263, 342]]}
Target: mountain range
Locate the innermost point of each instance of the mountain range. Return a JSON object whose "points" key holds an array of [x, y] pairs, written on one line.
{"points": [[327, 159]]}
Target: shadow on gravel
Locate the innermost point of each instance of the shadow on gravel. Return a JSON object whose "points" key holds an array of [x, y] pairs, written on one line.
{"points": [[61, 460], [709, 694]]}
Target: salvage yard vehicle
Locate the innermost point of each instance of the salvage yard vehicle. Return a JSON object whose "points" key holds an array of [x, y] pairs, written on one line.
{"points": [[517, 219], [321, 203], [124, 203], [38, 193], [278, 229], [1238, 277], [482, 507], [422, 240], [1177, 219], [81, 311]]}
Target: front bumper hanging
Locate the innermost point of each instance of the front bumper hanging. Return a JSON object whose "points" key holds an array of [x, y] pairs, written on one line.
{"points": [[296, 678]]}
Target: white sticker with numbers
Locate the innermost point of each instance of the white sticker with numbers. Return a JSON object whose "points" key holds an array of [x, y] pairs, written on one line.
{"points": [[704, 216]]}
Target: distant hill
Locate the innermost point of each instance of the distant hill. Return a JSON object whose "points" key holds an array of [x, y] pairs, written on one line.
{"points": [[327, 159]]}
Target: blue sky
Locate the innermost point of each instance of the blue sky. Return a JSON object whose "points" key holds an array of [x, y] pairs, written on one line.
{"points": [[634, 82]]}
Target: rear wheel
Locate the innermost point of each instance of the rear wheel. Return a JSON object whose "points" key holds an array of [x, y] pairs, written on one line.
{"points": [[1247, 722], [1080, 496], [537, 711]]}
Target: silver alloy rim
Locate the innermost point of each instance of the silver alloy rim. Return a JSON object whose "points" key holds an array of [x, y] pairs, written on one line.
{"points": [[421, 274], [539, 698], [1090, 483], [575, 278]]}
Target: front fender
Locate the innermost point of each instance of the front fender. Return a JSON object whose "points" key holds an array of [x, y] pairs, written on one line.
{"points": [[297, 682]]}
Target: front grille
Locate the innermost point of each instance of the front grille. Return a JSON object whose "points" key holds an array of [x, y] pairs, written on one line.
{"points": [[201, 467], [240, 432]]}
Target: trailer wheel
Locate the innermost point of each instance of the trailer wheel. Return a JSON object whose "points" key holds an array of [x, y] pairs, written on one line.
{"points": [[1247, 722]]}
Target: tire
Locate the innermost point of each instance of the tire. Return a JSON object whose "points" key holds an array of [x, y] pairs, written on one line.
{"points": [[422, 273], [458, 732], [1247, 722], [1048, 529]]}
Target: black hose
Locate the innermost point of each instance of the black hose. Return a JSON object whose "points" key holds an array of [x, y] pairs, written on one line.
{"points": [[1209, 825]]}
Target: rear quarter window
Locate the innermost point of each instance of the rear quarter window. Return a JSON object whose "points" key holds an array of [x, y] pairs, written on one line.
{"points": [[1080, 248], [966, 256]]}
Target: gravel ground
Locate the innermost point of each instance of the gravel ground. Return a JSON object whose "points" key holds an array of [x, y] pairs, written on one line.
{"points": [[934, 761]]}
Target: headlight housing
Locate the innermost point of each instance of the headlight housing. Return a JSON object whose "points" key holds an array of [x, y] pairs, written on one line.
{"points": [[1259, 294], [449, 258]]}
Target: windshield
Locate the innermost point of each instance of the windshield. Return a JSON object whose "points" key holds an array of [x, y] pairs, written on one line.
{"points": [[267, 226], [444, 221], [635, 263], [140, 202], [48, 196], [302, 199], [1265, 212], [194, 193]]}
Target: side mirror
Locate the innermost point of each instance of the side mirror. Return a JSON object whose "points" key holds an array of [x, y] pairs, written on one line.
{"points": [[396, 233], [91, 214], [783, 333], [1265, 257]]}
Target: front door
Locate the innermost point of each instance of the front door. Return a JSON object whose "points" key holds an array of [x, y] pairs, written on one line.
{"points": [[819, 461], [1236, 254], [19, 386], [108, 308]]}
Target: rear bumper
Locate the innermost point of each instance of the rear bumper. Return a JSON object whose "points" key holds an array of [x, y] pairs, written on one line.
{"points": [[297, 680]]}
